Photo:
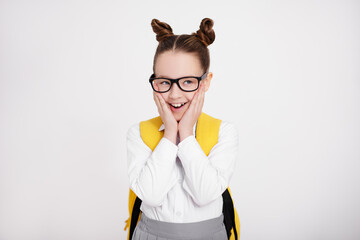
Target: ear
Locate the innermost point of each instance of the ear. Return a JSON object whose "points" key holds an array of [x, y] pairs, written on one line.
{"points": [[207, 80]]}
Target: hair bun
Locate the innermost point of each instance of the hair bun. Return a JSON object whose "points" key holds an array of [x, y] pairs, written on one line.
{"points": [[206, 33], [162, 29]]}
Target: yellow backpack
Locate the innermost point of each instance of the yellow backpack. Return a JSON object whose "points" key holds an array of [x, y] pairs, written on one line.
{"points": [[207, 133]]}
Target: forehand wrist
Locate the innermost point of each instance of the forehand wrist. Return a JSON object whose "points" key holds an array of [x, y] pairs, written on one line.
{"points": [[185, 134], [171, 136]]}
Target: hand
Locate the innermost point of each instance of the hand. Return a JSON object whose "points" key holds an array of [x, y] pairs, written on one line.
{"points": [[192, 114], [171, 125]]}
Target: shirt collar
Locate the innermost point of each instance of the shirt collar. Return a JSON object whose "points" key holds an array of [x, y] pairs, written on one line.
{"points": [[162, 127]]}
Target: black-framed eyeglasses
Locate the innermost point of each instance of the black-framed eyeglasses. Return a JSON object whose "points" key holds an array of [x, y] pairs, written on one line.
{"points": [[186, 84]]}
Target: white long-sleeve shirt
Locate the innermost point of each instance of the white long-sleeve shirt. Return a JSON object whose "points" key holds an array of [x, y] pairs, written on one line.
{"points": [[179, 183]]}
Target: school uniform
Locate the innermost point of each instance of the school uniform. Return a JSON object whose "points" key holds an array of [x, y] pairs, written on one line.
{"points": [[180, 187]]}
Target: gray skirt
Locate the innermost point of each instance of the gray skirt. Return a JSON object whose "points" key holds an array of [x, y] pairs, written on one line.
{"points": [[149, 229]]}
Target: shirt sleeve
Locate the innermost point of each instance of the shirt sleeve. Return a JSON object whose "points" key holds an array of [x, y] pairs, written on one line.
{"points": [[207, 177], [151, 173]]}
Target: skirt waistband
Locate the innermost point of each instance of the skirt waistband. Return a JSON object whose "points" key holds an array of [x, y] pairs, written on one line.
{"points": [[182, 230]]}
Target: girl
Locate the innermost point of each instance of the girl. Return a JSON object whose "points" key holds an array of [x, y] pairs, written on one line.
{"points": [[180, 163]]}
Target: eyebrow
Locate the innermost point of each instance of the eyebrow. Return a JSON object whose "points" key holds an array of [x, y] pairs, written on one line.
{"points": [[163, 76]]}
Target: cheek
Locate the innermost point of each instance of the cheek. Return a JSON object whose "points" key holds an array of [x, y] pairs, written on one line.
{"points": [[189, 96], [165, 96]]}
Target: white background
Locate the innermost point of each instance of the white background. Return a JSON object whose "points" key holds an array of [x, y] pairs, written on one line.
{"points": [[73, 79]]}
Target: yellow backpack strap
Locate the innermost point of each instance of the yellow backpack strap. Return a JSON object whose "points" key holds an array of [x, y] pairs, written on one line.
{"points": [[235, 235], [150, 134], [134, 203], [207, 132], [149, 131], [207, 135]]}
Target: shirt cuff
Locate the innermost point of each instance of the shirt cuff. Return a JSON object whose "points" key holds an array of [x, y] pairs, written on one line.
{"points": [[165, 152]]}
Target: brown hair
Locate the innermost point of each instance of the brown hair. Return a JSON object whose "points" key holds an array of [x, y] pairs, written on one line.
{"points": [[196, 43]]}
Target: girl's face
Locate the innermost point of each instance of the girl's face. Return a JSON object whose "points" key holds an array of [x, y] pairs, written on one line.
{"points": [[175, 65]]}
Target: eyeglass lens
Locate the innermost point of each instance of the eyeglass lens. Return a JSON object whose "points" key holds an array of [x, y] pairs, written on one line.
{"points": [[187, 84]]}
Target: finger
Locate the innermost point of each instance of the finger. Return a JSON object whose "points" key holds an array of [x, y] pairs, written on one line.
{"points": [[159, 97], [155, 98], [200, 100], [165, 105], [162, 101], [203, 91], [197, 96], [158, 104], [193, 102]]}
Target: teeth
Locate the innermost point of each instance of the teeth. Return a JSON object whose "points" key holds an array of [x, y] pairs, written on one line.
{"points": [[177, 104]]}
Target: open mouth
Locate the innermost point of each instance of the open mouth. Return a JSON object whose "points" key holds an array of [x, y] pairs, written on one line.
{"points": [[176, 106]]}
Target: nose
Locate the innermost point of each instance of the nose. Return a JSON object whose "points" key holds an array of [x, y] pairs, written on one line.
{"points": [[175, 91]]}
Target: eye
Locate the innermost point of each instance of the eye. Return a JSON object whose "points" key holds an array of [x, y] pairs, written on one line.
{"points": [[189, 81], [163, 82]]}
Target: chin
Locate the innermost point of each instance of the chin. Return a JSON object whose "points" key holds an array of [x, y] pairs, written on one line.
{"points": [[178, 117]]}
